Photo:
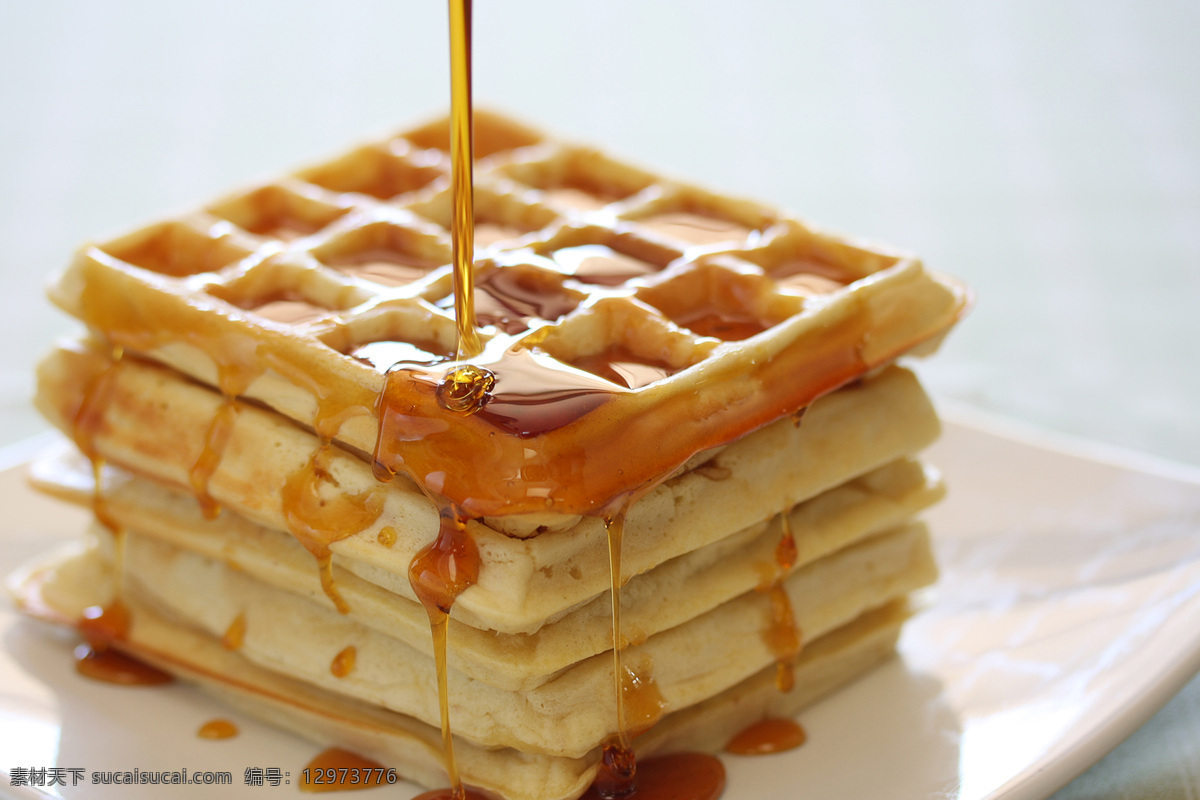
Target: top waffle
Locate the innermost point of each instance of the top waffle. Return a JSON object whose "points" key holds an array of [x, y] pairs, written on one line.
{"points": [[626, 317]]}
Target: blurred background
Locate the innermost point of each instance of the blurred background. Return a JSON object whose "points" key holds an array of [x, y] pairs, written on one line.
{"points": [[1047, 153]]}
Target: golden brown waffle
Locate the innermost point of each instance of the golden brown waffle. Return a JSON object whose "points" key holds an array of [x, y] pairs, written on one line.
{"points": [[617, 306]]}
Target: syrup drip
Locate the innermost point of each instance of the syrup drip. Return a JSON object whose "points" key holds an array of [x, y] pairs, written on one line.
{"points": [[217, 729], [235, 634], [113, 666], [442, 571], [343, 663], [101, 626], [782, 635], [88, 419], [618, 765], [638, 702], [681, 776], [233, 380], [219, 431], [772, 735], [318, 514], [338, 770], [386, 536]]}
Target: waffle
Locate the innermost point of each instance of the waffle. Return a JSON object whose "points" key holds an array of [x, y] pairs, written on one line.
{"points": [[710, 374], [716, 338]]}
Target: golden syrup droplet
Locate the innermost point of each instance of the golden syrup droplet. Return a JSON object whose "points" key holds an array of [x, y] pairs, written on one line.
{"points": [[679, 776], [112, 666], [386, 536], [443, 570], [642, 701], [217, 729], [772, 735], [235, 634], [785, 551], [343, 662], [618, 770], [465, 389], [102, 625], [446, 567], [783, 637], [782, 634]]}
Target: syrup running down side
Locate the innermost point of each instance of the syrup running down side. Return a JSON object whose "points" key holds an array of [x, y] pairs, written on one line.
{"points": [[782, 634]]}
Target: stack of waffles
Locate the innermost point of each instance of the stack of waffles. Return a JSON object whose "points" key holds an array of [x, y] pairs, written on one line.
{"points": [[697, 391]]}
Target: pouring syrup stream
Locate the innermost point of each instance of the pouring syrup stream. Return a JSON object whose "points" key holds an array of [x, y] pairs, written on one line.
{"points": [[462, 177]]}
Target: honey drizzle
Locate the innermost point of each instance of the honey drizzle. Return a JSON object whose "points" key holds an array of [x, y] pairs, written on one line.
{"points": [[233, 378], [101, 625], [462, 173], [219, 432], [638, 702], [618, 765], [782, 634], [318, 519], [439, 573], [85, 424]]}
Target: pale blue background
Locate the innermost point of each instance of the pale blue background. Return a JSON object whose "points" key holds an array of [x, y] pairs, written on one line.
{"points": [[1047, 152]]}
